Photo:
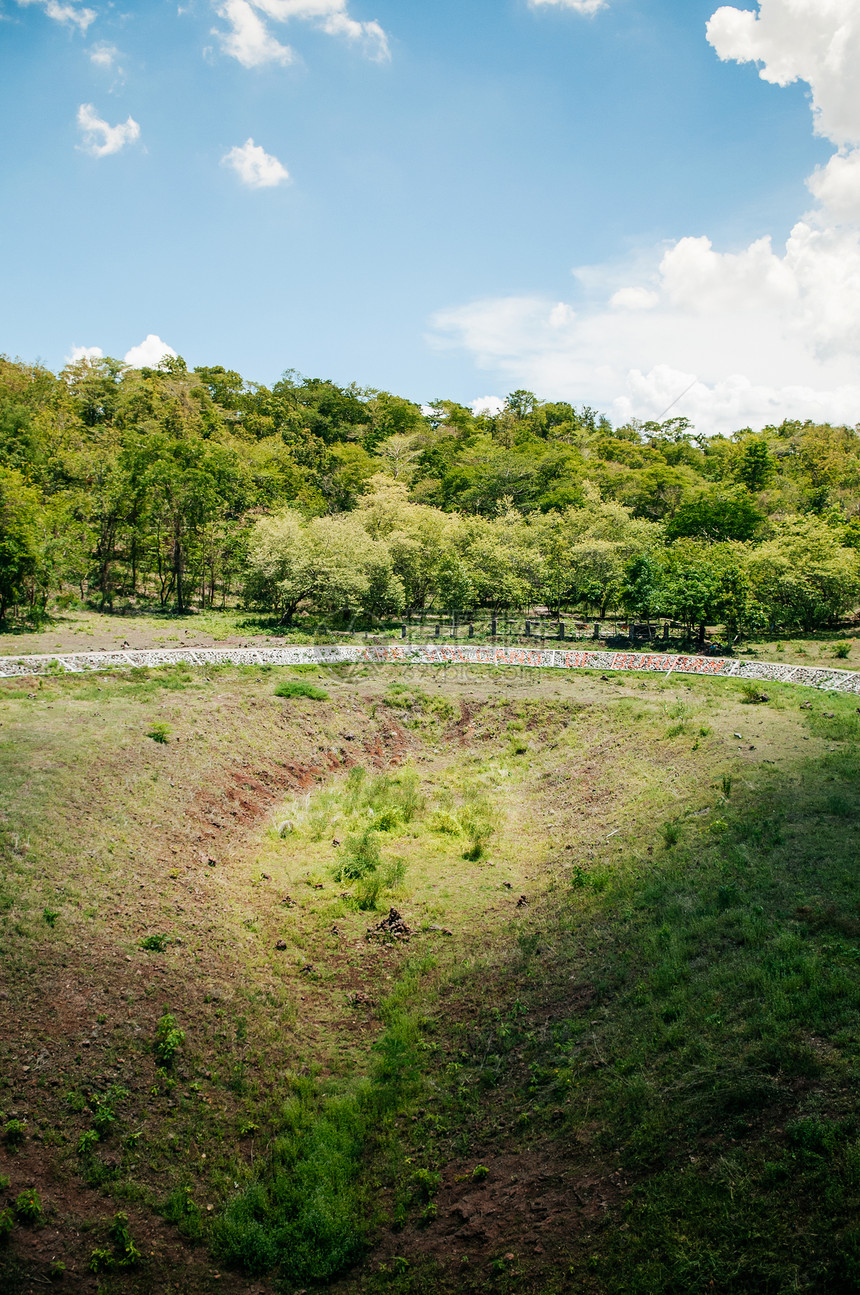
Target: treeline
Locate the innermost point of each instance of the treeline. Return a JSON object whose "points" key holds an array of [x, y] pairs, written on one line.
{"points": [[194, 488]]}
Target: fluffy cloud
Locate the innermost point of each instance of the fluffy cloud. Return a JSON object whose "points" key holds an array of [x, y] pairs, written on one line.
{"points": [[817, 41], [250, 41], [149, 353], [837, 187], [65, 13], [487, 405], [686, 327], [78, 353], [101, 139], [580, 6], [255, 167]]}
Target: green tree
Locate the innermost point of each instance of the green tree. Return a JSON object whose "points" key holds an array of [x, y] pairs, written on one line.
{"points": [[22, 566]]}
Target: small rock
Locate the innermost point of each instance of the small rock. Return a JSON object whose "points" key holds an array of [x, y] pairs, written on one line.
{"points": [[736, 735], [522, 901], [264, 876], [281, 944], [392, 927], [308, 969]]}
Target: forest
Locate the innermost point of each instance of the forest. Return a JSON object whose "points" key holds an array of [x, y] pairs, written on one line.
{"points": [[176, 488]]}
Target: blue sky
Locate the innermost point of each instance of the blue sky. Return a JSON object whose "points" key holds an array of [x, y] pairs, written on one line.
{"points": [[443, 199]]}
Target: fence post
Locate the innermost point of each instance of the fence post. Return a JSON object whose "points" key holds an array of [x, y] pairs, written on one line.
{"points": [[528, 629], [438, 630], [403, 631], [596, 633], [494, 626], [561, 630]]}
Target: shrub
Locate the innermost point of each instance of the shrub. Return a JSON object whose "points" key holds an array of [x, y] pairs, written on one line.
{"points": [[126, 1253], [87, 1141], [155, 943], [368, 890], [182, 1211], [168, 1040], [752, 694], [298, 688], [7, 1223], [841, 650], [28, 1206], [159, 732], [13, 1133], [671, 833], [359, 856], [50, 915]]}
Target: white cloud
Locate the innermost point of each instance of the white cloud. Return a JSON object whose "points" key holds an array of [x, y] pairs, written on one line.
{"points": [[149, 353], [104, 55], [101, 139], [817, 41], [579, 6], [837, 187], [255, 167], [78, 353], [487, 405], [251, 42], [65, 13], [748, 336], [249, 39], [638, 298]]}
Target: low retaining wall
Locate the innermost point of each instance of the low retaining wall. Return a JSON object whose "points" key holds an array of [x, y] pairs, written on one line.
{"points": [[431, 654]]}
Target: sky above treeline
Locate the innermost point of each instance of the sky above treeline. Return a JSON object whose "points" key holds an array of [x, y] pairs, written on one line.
{"points": [[648, 206]]}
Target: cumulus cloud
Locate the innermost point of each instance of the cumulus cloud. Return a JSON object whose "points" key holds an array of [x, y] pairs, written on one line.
{"points": [[101, 139], [249, 39], [70, 14], [149, 353], [251, 42], [255, 167], [487, 405], [579, 6], [817, 41], [725, 337], [78, 353]]}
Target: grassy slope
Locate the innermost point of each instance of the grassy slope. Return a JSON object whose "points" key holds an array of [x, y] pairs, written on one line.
{"points": [[652, 1057]]}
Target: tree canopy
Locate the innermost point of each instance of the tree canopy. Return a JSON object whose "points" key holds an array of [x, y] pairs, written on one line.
{"points": [[188, 487]]}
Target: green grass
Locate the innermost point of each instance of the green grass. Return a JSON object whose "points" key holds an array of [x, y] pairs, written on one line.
{"points": [[298, 688], [672, 1014]]}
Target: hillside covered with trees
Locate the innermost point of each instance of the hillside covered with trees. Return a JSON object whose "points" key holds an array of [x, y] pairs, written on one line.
{"points": [[185, 488]]}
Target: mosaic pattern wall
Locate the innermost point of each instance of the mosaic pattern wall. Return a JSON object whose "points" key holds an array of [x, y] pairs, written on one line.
{"points": [[431, 654]]}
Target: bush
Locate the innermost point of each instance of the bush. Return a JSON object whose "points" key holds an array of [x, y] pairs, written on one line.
{"points": [[183, 1212], [168, 1040], [752, 694], [155, 943], [359, 856], [841, 650], [297, 688], [28, 1206], [7, 1223], [13, 1133]]}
